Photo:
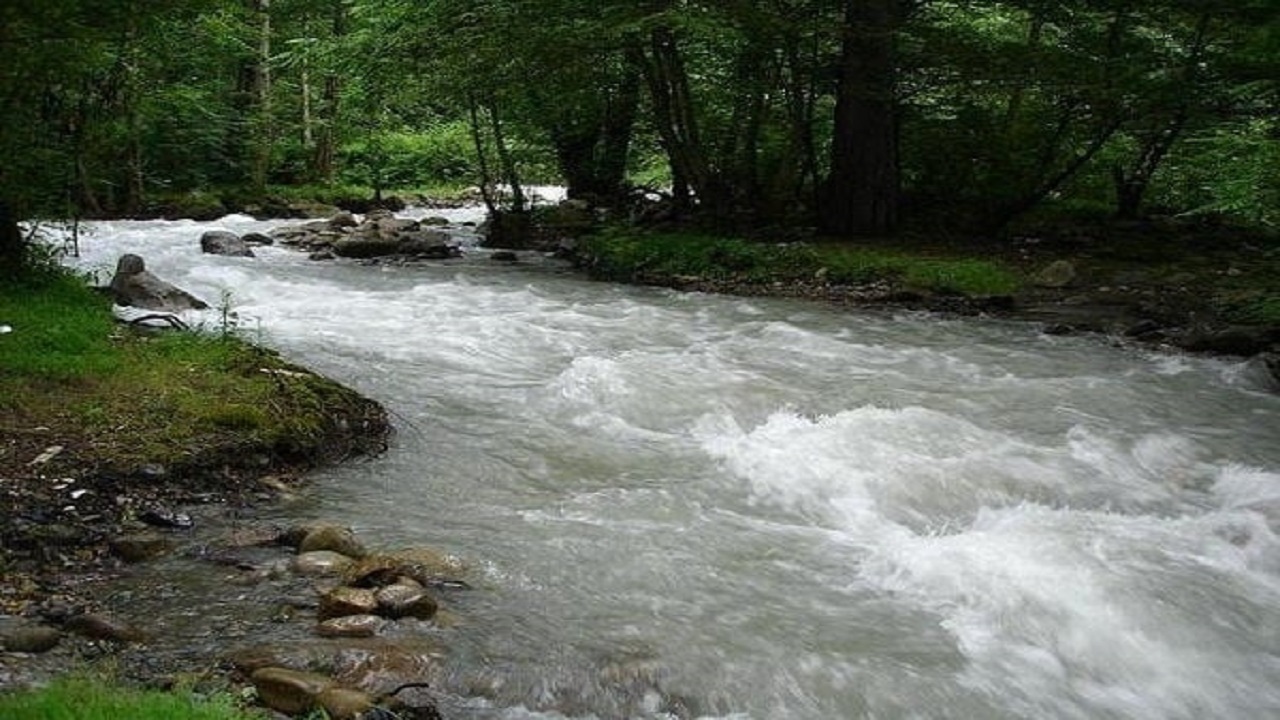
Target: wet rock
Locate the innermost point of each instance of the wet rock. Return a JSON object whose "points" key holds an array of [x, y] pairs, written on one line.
{"points": [[1057, 329], [343, 220], [257, 238], [333, 538], [344, 601], [289, 691], [140, 547], [134, 286], [1243, 340], [103, 627], [1271, 361], [366, 247], [221, 242], [400, 601], [31, 639], [382, 666], [1142, 329], [165, 518], [322, 255], [428, 567], [320, 563], [341, 703], [435, 221], [1058, 274], [504, 256], [351, 626]]}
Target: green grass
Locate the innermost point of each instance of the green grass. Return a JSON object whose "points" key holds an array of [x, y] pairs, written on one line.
{"points": [[623, 255], [141, 397], [90, 699]]}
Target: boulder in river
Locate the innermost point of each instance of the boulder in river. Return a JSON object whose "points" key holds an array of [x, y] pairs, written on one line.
{"points": [[222, 242], [351, 626], [403, 600], [426, 566], [134, 286], [103, 627], [293, 692], [320, 563]]}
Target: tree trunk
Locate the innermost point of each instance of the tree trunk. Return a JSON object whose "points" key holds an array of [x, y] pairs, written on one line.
{"points": [[505, 161], [860, 196], [12, 245], [592, 148], [326, 132]]}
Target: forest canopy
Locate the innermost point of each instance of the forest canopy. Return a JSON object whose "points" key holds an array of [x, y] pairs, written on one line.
{"points": [[862, 118]]}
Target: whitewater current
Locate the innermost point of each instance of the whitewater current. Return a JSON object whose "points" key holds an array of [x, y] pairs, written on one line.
{"points": [[684, 505]]}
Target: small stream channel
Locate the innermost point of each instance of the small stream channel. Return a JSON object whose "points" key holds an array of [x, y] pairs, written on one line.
{"points": [[680, 505]]}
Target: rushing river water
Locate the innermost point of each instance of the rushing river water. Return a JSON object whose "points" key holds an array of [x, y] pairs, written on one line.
{"points": [[773, 510]]}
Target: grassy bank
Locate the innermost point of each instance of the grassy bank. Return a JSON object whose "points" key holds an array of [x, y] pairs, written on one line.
{"points": [[631, 256], [124, 398], [92, 699]]}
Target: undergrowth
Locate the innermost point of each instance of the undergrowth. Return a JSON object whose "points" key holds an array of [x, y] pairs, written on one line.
{"points": [[632, 256]]}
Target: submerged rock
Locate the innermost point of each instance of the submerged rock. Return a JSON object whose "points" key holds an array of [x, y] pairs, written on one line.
{"points": [[341, 703], [334, 539], [401, 600], [289, 691], [103, 627], [140, 547], [320, 563], [351, 626]]}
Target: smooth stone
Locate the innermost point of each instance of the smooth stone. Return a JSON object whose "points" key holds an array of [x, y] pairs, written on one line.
{"points": [[344, 703], [289, 691], [102, 627], [344, 601], [424, 565], [351, 626], [334, 538], [31, 639], [399, 601], [320, 563]]}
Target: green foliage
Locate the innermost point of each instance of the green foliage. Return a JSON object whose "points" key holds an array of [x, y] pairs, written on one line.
{"points": [[92, 699], [619, 254]]}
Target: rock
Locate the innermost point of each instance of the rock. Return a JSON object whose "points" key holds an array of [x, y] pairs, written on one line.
{"points": [[133, 286], [257, 238], [351, 626], [102, 627], [1272, 362], [426, 566], [1058, 329], [1142, 328], [31, 639], [341, 703], [366, 247], [221, 242], [344, 601], [322, 255], [400, 600], [1058, 274], [380, 666], [427, 243], [1243, 340], [289, 691], [165, 518], [435, 221], [343, 220], [140, 547], [334, 538], [320, 563], [504, 256]]}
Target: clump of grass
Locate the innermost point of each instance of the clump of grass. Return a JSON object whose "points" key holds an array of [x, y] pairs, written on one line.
{"points": [[628, 256], [60, 329], [90, 699]]}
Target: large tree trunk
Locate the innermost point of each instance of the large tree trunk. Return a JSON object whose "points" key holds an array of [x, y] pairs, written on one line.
{"points": [[860, 196], [592, 151], [326, 133]]}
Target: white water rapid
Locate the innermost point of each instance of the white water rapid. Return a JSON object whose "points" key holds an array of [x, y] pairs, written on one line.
{"points": [[696, 506]]}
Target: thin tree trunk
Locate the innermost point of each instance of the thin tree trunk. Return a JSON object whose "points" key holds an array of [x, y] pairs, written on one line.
{"points": [[263, 141], [482, 158], [505, 161]]}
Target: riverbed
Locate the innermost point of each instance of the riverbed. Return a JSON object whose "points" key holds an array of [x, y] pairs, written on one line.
{"points": [[685, 505]]}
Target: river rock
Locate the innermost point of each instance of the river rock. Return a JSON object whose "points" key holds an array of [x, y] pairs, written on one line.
{"points": [[341, 703], [320, 563], [103, 627], [366, 247], [351, 626], [334, 538], [257, 238], [31, 639], [140, 547], [400, 601], [1058, 274], [343, 601], [507, 256], [222, 242], [1243, 340], [289, 691], [426, 566], [381, 666], [134, 286], [343, 220]]}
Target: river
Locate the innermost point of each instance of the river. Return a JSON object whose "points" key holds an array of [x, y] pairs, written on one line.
{"points": [[775, 510]]}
